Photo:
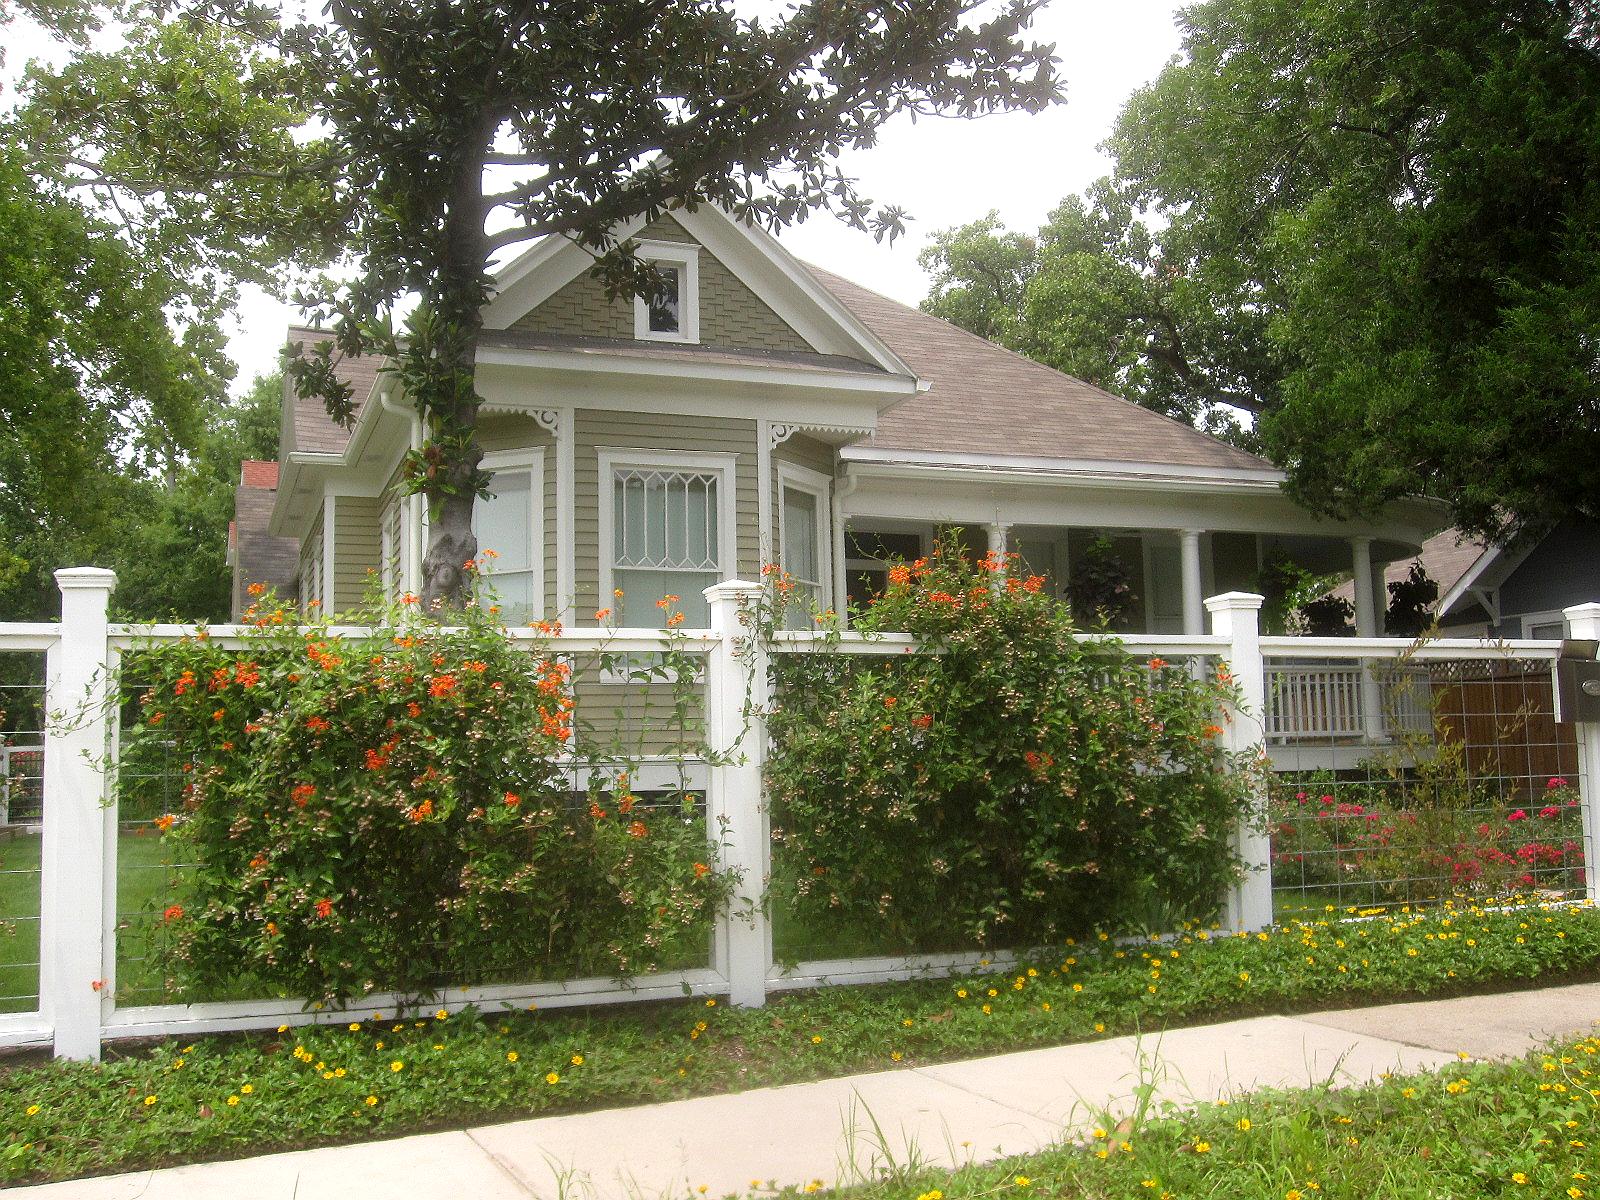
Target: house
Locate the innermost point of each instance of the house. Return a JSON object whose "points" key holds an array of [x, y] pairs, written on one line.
{"points": [[1518, 589], [765, 410]]}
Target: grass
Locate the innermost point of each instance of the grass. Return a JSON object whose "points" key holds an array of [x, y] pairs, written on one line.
{"points": [[1524, 1128], [144, 882], [381, 1074]]}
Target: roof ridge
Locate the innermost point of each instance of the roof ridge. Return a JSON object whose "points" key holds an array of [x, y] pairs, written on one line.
{"points": [[1037, 365]]}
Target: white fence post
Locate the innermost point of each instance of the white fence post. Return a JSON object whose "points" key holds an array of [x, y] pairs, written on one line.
{"points": [[77, 820], [1236, 616], [736, 698], [1583, 622]]}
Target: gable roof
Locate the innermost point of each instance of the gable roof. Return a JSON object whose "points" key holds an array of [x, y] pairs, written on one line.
{"points": [[985, 399], [307, 426], [258, 556], [1446, 557]]}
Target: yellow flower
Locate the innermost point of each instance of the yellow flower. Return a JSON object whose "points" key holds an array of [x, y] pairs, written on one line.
{"points": [[908, 1022], [149, 1100], [576, 1060], [33, 1110], [552, 1079], [1244, 976], [248, 1088], [1292, 1194], [962, 993], [988, 1008], [816, 1039], [935, 1194], [1518, 1177], [511, 1056], [1243, 1124], [1099, 1026], [397, 1065], [440, 1015], [283, 1029], [1022, 1181], [1202, 1147], [355, 1026], [233, 1101], [895, 1056], [371, 1100]]}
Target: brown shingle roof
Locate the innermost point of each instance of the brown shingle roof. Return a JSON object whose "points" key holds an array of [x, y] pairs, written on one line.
{"points": [[1445, 557], [988, 400], [258, 556], [314, 431]]}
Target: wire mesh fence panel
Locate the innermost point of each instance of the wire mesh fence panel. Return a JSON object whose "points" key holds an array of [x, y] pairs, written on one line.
{"points": [[1415, 781], [22, 721], [630, 789]]}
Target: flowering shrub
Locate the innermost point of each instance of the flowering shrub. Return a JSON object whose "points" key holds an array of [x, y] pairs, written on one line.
{"points": [[1008, 785], [391, 812], [1396, 840]]}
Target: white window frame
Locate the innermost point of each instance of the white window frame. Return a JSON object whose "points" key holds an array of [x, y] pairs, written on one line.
{"points": [[312, 583], [392, 544], [611, 459], [530, 459], [1554, 617], [687, 259], [793, 477]]}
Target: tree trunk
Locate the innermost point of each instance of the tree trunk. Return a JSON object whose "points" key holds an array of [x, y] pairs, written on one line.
{"points": [[454, 453]]}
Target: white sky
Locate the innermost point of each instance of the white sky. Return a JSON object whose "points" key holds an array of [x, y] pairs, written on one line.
{"points": [[943, 172]]}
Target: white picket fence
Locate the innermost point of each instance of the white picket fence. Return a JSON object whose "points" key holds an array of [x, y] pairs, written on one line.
{"points": [[78, 1009]]}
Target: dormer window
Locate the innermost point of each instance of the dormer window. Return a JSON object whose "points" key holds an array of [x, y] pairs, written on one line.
{"points": [[672, 313]]}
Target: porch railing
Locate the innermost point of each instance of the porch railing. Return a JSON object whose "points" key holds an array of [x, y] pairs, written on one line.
{"points": [[1324, 702]]}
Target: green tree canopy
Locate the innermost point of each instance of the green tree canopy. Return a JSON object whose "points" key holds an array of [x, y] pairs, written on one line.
{"points": [[1377, 226], [427, 140]]}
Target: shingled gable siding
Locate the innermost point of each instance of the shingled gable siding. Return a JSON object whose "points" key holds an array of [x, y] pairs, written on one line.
{"points": [[650, 431], [731, 314], [357, 548]]}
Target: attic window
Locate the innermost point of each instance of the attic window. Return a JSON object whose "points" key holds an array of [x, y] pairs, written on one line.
{"points": [[672, 314]]}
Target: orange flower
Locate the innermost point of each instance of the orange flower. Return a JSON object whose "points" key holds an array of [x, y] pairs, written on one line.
{"points": [[323, 908], [512, 800], [318, 724], [1157, 663], [442, 686], [666, 601], [256, 589], [420, 813], [601, 614], [636, 829], [675, 620], [302, 794], [173, 912], [165, 821], [923, 721], [625, 805], [414, 709], [899, 575], [701, 870]]}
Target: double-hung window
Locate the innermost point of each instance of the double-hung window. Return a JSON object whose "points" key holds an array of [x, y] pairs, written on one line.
{"points": [[804, 544], [671, 313], [509, 521], [666, 529]]}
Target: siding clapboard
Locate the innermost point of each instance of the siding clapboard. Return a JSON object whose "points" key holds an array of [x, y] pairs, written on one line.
{"points": [[357, 548]]}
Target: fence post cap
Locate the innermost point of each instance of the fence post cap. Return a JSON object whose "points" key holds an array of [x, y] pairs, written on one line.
{"points": [[1579, 611], [86, 577], [1234, 600], [732, 589]]}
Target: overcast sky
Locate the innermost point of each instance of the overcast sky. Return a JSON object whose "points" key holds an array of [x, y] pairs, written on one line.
{"points": [[943, 172]]}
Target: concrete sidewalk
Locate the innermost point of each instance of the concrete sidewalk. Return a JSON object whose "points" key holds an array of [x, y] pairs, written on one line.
{"points": [[979, 1109]]}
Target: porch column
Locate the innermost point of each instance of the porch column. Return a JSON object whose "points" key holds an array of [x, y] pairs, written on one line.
{"points": [[997, 531], [1366, 618], [1372, 722], [1194, 604]]}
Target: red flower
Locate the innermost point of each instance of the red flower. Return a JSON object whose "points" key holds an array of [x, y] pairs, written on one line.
{"points": [[323, 908], [173, 912], [512, 800], [318, 724], [442, 686], [701, 870], [302, 794], [923, 721]]}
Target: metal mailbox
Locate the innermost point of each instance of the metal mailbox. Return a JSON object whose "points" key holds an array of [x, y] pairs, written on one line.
{"points": [[1578, 681]]}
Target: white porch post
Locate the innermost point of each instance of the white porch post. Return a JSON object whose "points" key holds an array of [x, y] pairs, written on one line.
{"points": [[78, 823], [1583, 621], [1367, 625], [736, 812], [1237, 617], [998, 533], [1194, 602]]}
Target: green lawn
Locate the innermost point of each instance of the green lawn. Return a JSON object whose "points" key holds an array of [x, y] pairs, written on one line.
{"points": [[144, 887], [217, 1096]]}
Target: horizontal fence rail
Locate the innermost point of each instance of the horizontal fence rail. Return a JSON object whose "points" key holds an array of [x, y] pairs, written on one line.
{"points": [[1297, 697]]}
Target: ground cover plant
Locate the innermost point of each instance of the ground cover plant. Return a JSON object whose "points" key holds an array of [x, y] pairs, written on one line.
{"points": [[370, 1076], [1010, 783], [1522, 1128]]}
